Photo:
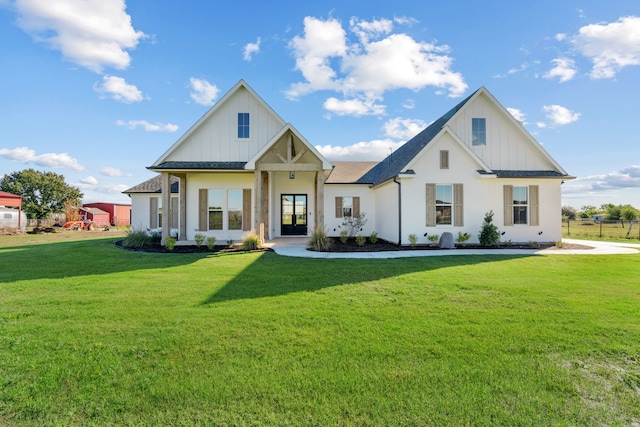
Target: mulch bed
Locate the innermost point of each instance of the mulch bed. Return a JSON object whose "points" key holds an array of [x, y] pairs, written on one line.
{"points": [[383, 245], [186, 249]]}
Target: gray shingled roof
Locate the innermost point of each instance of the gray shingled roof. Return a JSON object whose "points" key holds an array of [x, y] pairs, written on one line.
{"points": [[523, 174], [153, 185], [348, 172], [399, 159], [200, 165]]}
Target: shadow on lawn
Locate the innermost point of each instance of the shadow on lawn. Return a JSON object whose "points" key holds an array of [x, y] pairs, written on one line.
{"points": [[60, 259], [274, 275]]}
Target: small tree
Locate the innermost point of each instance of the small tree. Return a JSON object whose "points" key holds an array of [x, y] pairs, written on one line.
{"points": [[568, 213], [354, 223], [489, 235]]}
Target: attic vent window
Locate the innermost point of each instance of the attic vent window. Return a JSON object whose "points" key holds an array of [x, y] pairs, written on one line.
{"points": [[478, 132], [243, 125]]}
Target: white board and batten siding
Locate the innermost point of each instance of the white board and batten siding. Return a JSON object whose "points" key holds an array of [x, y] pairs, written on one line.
{"points": [[216, 139]]}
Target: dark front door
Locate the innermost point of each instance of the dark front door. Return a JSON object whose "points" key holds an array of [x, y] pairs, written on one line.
{"points": [[294, 214]]}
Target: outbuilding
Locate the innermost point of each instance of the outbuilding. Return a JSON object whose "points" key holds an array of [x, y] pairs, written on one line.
{"points": [[95, 215], [119, 214], [14, 201]]}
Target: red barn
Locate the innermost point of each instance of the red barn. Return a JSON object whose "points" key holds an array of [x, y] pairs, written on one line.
{"points": [[96, 215], [12, 201], [119, 214]]}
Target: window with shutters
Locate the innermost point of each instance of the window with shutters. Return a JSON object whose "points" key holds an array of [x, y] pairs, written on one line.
{"points": [[347, 207], [445, 204], [224, 210]]}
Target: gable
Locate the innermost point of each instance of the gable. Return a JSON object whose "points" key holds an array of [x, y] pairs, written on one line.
{"points": [[508, 145], [214, 138]]}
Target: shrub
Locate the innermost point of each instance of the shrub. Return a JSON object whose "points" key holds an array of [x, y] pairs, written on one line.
{"points": [[344, 236], [211, 242], [138, 239], [373, 238], [229, 242], [534, 245], [251, 242], [462, 238], [319, 241], [559, 244], [433, 238], [354, 223], [360, 240], [199, 238], [489, 235], [413, 240], [170, 243]]}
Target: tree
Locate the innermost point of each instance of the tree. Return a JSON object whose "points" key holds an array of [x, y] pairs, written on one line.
{"points": [[42, 192], [629, 213], [568, 213], [614, 213], [489, 235]]}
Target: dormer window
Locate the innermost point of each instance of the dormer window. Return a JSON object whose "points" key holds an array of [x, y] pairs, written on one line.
{"points": [[243, 125], [478, 132]]}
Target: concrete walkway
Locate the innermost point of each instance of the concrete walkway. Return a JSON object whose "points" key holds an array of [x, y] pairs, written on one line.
{"points": [[296, 247]]}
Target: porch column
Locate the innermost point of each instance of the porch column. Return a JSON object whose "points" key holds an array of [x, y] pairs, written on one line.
{"points": [[166, 206], [182, 194], [257, 200], [319, 200]]}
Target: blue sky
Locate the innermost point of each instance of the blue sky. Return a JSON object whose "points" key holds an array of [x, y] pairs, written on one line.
{"points": [[97, 90]]}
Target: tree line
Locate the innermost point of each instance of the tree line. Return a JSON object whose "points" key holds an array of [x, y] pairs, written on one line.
{"points": [[43, 193], [612, 212]]}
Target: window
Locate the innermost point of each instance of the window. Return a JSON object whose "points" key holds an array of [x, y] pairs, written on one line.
{"points": [[234, 203], [243, 125], [444, 159], [216, 201], [224, 209], [347, 206], [479, 131], [520, 205], [444, 204]]}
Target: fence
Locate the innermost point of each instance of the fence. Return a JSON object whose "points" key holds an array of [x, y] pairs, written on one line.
{"points": [[604, 229], [59, 219]]}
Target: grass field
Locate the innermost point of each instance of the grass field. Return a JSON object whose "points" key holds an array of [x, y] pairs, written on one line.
{"points": [[602, 230], [94, 335]]}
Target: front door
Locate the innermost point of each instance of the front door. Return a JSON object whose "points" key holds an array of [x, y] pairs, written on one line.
{"points": [[294, 215]]}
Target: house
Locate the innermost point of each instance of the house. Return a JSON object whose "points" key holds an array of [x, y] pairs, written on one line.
{"points": [[119, 214], [241, 168]]}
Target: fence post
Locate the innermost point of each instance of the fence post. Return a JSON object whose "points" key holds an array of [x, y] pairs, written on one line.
{"points": [[601, 227], [568, 227]]}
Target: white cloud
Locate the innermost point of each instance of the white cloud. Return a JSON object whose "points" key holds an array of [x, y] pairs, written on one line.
{"points": [[517, 114], [560, 115], [354, 107], [111, 171], [628, 177], [51, 160], [91, 33], [565, 69], [610, 46], [250, 49], [101, 188], [409, 104], [119, 89], [89, 180], [375, 62], [149, 127], [541, 125], [203, 92], [405, 129], [560, 37], [375, 150]]}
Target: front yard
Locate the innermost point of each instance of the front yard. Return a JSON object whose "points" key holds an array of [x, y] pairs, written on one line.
{"points": [[94, 335]]}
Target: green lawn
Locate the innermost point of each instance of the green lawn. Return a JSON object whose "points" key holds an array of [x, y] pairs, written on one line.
{"points": [[94, 335]]}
